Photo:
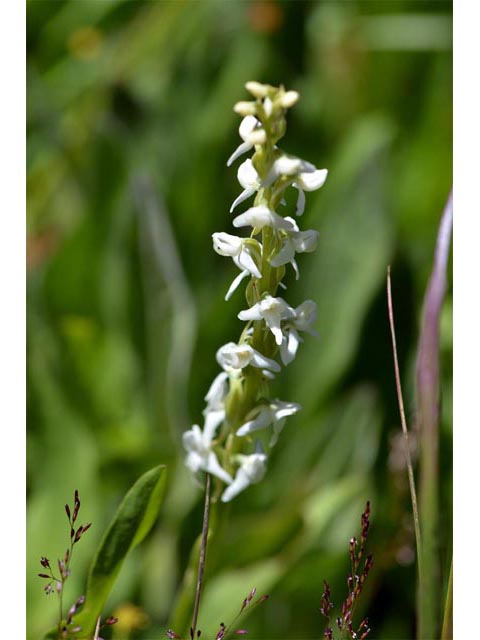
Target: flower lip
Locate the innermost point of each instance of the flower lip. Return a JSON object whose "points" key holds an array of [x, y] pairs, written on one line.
{"points": [[261, 216], [273, 311], [249, 131], [270, 414], [251, 471], [244, 251], [200, 456]]}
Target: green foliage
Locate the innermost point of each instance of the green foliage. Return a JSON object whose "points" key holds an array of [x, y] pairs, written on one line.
{"points": [[134, 518], [121, 351]]}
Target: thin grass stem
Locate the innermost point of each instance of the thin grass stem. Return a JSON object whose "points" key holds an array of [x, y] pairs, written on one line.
{"points": [[203, 556], [411, 477]]}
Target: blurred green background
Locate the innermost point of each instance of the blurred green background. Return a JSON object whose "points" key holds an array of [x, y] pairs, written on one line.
{"points": [[125, 293]]}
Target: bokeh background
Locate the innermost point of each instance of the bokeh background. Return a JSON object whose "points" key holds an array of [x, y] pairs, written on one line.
{"points": [[130, 123]]}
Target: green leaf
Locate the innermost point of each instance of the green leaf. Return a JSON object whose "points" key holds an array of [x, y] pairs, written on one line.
{"points": [[133, 520]]}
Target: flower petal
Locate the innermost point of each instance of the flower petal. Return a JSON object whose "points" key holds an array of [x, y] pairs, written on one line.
{"points": [[300, 201], [247, 175], [246, 193], [239, 484], [254, 313], [262, 362], [261, 216], [289, 346], [247, 125], [213, 466], [239, 151], [285, 255], [235, 283], [277, 430], [217, 392], [212, 420], [226, 244], [305, 316], [312, 180], [263, 419], [234, 356], [305, 241], [246, 261], [192, 439]]}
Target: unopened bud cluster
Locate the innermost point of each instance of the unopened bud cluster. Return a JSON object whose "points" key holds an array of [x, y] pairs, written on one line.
{"points": [[238, 402]]}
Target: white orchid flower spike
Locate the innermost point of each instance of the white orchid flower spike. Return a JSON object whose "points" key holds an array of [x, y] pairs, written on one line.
{"points": [[238, 402]]}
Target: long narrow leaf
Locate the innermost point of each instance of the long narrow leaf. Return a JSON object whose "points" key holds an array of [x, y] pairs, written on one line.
{"points": [[133, 520]]}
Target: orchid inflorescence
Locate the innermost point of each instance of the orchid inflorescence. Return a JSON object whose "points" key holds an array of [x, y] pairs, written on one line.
{"points": [[238, 397]]}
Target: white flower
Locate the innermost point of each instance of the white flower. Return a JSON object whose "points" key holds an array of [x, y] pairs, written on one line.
{"points": [[261, 216], [217, 392], [200, 456], [274, 414], [251, 471], [233, 357], [273, 311], [305, 316], [306, 176], [295, 242], [286, 165], [250, 181], [245, 252], [308, 181], [251, 134]]}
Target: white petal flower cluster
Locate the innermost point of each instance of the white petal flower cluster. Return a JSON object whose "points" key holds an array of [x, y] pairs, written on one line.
{"points": [[233, 357], [237, 405]]}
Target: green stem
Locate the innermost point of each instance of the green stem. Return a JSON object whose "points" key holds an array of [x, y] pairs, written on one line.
{"points": [[447, 625]]}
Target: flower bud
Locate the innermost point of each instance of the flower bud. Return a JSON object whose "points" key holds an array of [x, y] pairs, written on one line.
{"points": [[289, 99], [245, 108], [257, 89], [268, 107]]}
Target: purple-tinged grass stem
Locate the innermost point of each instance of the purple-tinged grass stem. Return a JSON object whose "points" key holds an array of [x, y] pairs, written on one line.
{"points": [[428, 401]]}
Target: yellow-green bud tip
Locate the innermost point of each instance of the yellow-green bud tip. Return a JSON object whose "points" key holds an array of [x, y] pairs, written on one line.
{"points": [[244, 108], [256, 89], [289, 99]]}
